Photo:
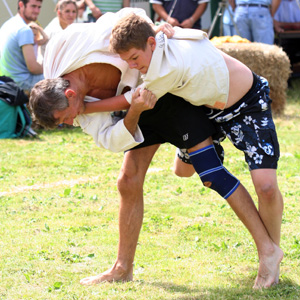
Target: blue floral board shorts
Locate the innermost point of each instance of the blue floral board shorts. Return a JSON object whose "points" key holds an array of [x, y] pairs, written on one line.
{"points": [[249, 126]]}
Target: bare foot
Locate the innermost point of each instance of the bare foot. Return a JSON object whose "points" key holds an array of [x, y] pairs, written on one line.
{"points": [[268, 270], [113, 274]]}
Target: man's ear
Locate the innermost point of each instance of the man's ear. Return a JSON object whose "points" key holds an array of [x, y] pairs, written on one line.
{"points": [[21, 4], [152, 42], [69, 93]]}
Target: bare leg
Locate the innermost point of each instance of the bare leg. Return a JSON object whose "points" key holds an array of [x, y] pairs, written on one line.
{"points": [[130, 186], [182, 169], [270, 255], [270, 202]]}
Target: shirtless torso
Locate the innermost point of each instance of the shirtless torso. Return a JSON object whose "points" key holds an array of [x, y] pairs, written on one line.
{"points": [[240, 79]]}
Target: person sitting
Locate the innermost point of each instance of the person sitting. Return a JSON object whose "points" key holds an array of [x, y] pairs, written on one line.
{"points": [[67, 11], [18, 60]]}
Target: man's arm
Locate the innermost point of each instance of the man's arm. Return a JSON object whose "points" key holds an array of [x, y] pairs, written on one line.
{"points": [[232, 4], [108, 104], [96, 12], [282, 26], [30, 59], [160, 10], [274, 6], [123, 134], [141, 101], [126, 3], [189, 23]]}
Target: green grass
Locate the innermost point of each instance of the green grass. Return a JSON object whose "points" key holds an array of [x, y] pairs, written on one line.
{"points": [[59, 223]]}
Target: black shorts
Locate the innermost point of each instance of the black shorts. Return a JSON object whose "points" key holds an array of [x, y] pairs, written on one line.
{"points": [[175, 121]]}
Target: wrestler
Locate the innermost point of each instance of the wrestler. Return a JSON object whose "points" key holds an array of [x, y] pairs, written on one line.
{"points": [[81, 81]]}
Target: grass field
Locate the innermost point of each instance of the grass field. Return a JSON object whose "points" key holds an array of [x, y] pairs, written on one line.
{"points": [[59, 223]]}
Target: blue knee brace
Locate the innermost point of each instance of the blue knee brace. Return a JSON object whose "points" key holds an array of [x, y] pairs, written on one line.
{"points": [[212, 173]]}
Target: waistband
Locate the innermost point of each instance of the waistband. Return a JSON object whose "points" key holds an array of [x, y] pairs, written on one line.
{"points": [[253, 5]]}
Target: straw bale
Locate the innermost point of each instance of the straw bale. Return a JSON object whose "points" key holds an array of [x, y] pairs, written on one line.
{"points": [[269, 61]]}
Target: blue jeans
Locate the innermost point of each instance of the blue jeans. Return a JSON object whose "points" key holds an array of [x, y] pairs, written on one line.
{"points": [[255, 24]]}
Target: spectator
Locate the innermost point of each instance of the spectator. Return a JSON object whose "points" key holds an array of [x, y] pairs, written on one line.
{"points": [[228, 23], [82, 13], [66, 11], [96, 8], [18, 60], [182, 13], [287, 17], [253, 19]]}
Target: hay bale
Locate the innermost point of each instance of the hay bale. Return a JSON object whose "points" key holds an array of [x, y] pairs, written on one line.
{"points": [[269, 61]]}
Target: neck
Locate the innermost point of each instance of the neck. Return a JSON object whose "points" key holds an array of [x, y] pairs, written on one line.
{"points": [[63, 25], [78, 83], [23, 17]]}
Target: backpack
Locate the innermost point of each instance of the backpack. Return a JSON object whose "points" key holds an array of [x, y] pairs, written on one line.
{"points": [[15, 120]]}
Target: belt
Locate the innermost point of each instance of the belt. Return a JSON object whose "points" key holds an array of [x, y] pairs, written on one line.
{"points": [[254, 5]]}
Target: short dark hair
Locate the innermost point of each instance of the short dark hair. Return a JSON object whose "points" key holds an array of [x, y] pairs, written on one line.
{"points": [[25, 2], [46, 97], [129, 32]]}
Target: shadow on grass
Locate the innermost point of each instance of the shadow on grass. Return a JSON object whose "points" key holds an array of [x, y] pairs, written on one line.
{"points": [[286, 289]]}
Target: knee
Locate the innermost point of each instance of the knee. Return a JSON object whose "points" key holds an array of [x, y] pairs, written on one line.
{"points": [[184, 172], [267, 190], [129, 183], [182, 169]]}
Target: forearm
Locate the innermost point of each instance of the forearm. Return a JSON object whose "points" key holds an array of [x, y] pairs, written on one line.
{"points": [[274, 6], [199, 11], [109, 104], [159, 9], [126, 3], [290, 26], [90, 4], [141, 101], [131, 120], [44, 38], [232, 4]]}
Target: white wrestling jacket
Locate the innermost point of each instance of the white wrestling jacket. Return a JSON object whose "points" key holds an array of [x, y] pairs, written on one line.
{"points": [[82, 44], [189, 66]]}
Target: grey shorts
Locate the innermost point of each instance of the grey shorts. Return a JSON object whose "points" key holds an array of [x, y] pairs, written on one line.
{"points": [[249, 126]]}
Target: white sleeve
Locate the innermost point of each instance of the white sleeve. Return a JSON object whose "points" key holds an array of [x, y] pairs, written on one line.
{"points": [[128, 95], [108, 132]]}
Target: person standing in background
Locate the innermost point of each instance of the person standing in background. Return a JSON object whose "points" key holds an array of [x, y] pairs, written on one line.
{"points": [[254, 19], [287, 18], [228, 23], [18, 60], [96, 8], [182, 13]]}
